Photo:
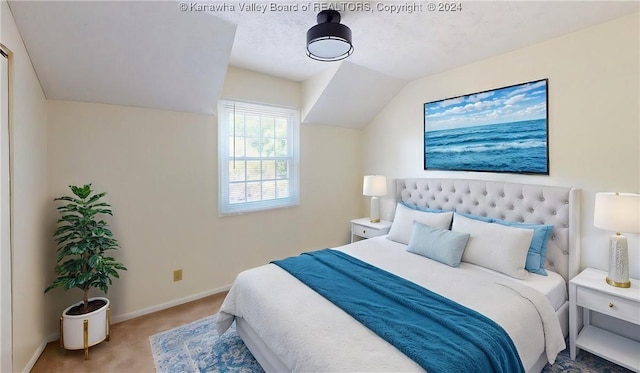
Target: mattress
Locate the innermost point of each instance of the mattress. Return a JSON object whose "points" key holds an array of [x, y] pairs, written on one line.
{"points": [[301, 334], [552, 286]]}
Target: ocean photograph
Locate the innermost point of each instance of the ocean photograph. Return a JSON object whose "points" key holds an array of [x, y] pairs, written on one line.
{"points": [[503, 130]]}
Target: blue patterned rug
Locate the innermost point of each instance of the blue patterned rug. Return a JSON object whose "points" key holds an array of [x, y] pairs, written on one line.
{"points": [[197, 347]]}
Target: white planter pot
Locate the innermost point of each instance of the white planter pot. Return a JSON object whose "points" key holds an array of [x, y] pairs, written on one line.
{"points": [[72, 327]]}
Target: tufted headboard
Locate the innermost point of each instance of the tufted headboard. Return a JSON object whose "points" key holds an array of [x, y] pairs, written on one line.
{"points": [[535, 204]]}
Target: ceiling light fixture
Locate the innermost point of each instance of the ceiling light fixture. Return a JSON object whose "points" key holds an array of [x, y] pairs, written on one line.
{"points": [[329, 40]]}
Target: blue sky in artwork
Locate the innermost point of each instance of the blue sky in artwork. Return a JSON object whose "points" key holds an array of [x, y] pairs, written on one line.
{"points": [[505, 105]]}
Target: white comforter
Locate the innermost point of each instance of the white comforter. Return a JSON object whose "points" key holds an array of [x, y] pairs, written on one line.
{"points": [[309, 333]]}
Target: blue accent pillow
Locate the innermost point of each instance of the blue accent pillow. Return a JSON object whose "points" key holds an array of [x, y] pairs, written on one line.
{"points": [[538, 247], [442, 245], [426, 209], [476, 217]]}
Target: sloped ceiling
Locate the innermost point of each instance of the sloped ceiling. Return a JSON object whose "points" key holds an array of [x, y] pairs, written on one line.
{"points": [[131, 53], [174, 55], [364, 91]]}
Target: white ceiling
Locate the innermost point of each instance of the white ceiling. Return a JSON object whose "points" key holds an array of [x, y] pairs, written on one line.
{"points": [[409, 46], [153, 54]]}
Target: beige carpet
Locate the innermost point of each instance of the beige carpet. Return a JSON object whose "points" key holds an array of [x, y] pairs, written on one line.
{"points": [[128, 350]]}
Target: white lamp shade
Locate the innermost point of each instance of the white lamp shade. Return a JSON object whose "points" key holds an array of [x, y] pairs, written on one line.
{"points": [[619, 212], [374, 185]]}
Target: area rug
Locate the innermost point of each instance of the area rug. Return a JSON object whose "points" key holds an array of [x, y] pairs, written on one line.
{"points": [[197, 348]]}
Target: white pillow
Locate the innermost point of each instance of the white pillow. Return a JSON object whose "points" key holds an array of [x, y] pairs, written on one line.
{"points": [[402, 225], [495, 246]]}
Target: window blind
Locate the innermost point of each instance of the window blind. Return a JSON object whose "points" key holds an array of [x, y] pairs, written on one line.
{"points": [[258, 157]]}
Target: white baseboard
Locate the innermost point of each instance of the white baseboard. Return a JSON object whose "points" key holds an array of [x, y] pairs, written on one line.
{"points": [[36, 355], [132, 315], [127, 316]]}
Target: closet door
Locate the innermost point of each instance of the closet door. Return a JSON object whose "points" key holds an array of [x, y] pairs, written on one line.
{"points": [[6, 345]]}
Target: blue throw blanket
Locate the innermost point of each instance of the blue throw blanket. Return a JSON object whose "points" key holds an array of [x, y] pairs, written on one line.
{"points": [[437, 333]]}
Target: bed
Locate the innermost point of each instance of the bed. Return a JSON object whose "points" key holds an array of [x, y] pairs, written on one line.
{"points": [[290, 327]]}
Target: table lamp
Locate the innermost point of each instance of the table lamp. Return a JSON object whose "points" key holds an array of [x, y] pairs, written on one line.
{"points": [[618, 212], [374, 186]]}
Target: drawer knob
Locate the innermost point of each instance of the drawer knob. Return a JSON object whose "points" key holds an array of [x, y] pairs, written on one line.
{"points": [[364, 231], [610, 305]]}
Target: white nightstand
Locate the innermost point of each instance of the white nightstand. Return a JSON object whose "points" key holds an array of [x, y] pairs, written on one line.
{"points": [[589, 292], [365, 228]]}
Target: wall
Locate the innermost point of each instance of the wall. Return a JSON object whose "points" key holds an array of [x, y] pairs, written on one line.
{"points": [[29, 147], [594, 134], [159, 169]]}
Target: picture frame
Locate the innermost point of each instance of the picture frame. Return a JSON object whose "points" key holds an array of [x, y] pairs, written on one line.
{"points": [[499, 130]]}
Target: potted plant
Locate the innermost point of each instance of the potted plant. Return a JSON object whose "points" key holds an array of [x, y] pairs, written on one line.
{"points": [[82, 243]]}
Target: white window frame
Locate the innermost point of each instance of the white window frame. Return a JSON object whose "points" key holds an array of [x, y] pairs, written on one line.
{"points": [[226, 110]]}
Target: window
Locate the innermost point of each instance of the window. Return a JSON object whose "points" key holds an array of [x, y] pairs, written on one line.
{"points": [[258, 157]]}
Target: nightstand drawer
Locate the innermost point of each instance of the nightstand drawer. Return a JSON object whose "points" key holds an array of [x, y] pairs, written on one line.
{"points": [[364, 228], [366, 232], [608, 304]]}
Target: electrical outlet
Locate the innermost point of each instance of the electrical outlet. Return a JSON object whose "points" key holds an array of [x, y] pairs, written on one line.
{"points": [[177, 275]]}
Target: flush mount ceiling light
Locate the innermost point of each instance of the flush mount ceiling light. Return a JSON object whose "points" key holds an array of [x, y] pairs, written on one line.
{"points": [[329, 40]]}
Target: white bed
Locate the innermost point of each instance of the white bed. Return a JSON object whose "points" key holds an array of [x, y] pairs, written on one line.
{"points": [[289, 327]]}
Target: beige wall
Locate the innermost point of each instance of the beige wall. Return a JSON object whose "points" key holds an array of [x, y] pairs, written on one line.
{"points": [[29, 147], [594, 119], [159, 169]]}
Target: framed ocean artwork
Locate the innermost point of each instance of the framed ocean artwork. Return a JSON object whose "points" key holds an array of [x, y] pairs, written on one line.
{"points": [[501, 130]]}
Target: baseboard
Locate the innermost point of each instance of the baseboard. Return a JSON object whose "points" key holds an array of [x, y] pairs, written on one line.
{"points": [[38, 352], [132, 315], [127, 316]]}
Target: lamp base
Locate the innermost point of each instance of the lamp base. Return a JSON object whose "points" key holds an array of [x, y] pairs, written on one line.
{"points": [[618, 284], [618, 262], [375, 210]]}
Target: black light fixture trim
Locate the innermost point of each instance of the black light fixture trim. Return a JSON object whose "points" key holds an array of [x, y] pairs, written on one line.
{"points": [[329, 29]]}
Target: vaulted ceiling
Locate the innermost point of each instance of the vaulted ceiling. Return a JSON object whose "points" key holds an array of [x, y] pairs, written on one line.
{"points": [[174, 55]]}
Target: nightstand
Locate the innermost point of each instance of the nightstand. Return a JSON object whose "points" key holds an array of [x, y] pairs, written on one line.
{"points": [[366, 229], [589, 292]]}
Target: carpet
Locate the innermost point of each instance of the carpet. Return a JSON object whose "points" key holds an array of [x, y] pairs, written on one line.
{"points": [[197, 348]]}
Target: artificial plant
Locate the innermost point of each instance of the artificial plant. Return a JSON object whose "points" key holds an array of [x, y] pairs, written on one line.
{"points": [[82, 244]]}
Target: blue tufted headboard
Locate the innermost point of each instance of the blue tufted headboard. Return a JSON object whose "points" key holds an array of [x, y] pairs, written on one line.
{"points": [[536, 204]]}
